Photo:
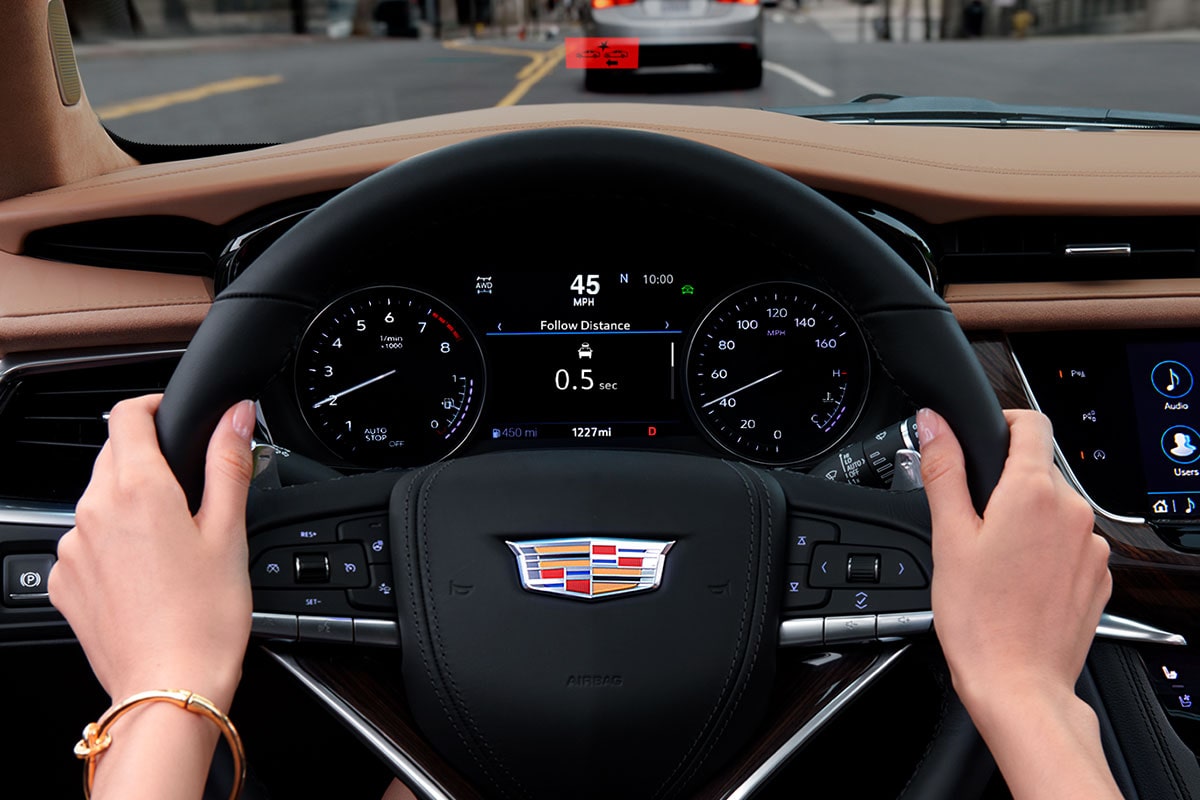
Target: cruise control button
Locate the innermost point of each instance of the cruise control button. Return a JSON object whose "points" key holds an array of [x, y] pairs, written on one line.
{"points": [[373, 533], [320, 602], [273, 569], [311, 567], [322, 531], [380, 593]]}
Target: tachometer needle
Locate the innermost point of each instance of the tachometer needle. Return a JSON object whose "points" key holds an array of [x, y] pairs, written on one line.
{"points": [[742, 388], [334, 397]]}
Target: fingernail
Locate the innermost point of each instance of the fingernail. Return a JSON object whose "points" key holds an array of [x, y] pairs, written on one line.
{"points": [[929, 425], [243, 419]]}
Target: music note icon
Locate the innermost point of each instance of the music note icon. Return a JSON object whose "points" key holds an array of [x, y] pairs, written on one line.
{"points": [[1172, 379]]}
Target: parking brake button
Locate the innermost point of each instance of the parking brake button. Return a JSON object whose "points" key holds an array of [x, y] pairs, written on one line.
{"points": [[25, 578]]}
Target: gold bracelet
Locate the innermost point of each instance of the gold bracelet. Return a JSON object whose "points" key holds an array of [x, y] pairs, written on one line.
{"points": [[96, 737]]}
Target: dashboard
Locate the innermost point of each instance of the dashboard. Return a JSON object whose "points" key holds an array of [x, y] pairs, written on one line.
{"points": [[517, 307], [762, 365]]}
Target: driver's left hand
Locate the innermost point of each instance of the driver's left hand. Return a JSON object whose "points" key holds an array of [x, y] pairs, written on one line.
{"points": [[160, 599]]}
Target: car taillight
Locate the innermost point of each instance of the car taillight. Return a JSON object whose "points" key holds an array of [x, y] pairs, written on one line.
{"points": [[611, 3]]}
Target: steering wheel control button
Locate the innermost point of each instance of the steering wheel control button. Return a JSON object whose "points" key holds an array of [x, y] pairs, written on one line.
{"points": [[805, 534], [1172, 379], [860, 628], [323, 531], [318, 602], [25, 578], [311, 567], [862, 568], [905, 623], [379, 594], [274, 626], [840, 566], [876, 600], [273, 570], [326, 629], [373, 533], [798, 594], [383, 632], [793, 632]]}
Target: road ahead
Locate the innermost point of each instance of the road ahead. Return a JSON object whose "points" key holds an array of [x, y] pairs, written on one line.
{"points": [[278, 88]]}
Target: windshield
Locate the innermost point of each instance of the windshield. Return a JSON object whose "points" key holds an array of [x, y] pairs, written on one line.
{"points": [[240, 71]]}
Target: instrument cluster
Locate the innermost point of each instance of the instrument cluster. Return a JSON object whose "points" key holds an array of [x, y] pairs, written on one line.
{"points": [[772, 371]]}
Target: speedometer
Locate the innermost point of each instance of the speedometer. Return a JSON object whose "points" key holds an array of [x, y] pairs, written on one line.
{"points": [[777, 373], [389, 376]]}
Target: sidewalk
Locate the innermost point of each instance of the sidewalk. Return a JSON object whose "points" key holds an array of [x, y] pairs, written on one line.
{"points": [[852, 22]]}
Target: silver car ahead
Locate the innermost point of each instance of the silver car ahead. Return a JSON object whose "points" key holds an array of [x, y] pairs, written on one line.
{"points": [[727, 34]]}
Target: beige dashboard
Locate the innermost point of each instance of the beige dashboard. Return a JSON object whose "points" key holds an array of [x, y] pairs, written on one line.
{"points": [[938, 175]]}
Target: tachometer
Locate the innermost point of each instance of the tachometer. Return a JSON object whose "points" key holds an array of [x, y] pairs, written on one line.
{"points": [[777, 373], [389, 376]]}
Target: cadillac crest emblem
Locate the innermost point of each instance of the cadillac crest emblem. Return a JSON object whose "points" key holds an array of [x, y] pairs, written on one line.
{"points": [[588, 568]]}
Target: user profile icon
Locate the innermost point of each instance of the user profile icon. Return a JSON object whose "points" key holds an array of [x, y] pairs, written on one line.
{"points": [[1181, 444]]}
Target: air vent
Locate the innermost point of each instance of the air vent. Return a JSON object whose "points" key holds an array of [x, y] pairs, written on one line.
{"points": [[176, 245], [1033, 249], [52, 420]]}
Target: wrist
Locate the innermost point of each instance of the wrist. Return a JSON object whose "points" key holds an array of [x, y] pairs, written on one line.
{"points": [[217, 685]]}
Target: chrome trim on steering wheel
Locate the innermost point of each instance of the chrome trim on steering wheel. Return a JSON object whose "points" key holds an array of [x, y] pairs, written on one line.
{"points": [[806, 732], [417, 779]]}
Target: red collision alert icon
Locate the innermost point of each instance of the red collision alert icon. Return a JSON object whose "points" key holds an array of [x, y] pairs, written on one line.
{"points": [[598, 53]]}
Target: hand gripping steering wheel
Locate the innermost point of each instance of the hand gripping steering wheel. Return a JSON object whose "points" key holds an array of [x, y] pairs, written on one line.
{"points": [[640, 695]]}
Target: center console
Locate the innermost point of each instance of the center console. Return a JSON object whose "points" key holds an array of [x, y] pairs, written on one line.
{"points": [[1126, 415]]}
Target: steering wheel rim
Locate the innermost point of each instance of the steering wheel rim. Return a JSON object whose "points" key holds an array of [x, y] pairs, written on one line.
{"points": [[271, 304]]}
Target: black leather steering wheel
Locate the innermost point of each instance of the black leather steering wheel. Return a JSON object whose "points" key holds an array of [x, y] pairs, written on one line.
{"points": [[485, 685]]}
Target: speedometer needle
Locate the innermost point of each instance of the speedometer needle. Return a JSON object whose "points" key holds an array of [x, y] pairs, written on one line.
{"points": [[335, 397], [742, 389]]}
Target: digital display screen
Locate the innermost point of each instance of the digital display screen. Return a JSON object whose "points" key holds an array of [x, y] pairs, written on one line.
{"points": [[1167, 418], [1126, 416], [588, 355]]}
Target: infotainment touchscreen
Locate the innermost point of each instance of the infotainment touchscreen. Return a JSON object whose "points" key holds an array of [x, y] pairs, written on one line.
{"points": [[1167, 415], [1126, 416]]}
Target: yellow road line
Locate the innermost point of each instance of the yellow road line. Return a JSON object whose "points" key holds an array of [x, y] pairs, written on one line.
{"points": [[155, 102], [541, 63]]}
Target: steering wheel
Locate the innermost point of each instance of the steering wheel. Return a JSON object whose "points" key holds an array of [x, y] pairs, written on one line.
{"points": [[647, 693]]}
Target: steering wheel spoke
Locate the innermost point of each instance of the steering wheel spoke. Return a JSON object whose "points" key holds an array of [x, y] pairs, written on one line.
{"points": [[321, 564], [859, 563]]}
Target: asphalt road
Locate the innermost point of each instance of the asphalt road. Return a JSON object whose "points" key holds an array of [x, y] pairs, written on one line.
{"points": [[280, 88]]}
